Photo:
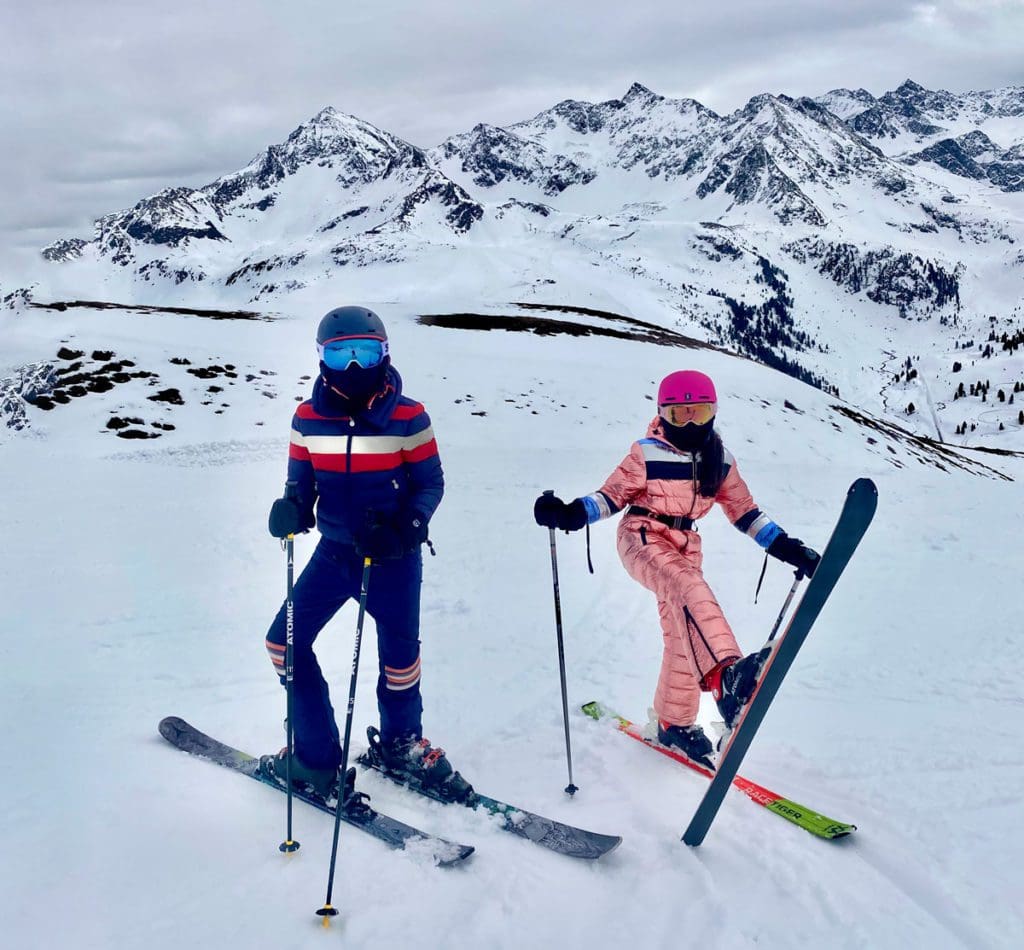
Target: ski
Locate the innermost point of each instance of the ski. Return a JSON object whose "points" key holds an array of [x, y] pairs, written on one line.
{"points": [[800, 815], [858, 510], [360, 815], [554, 835]]}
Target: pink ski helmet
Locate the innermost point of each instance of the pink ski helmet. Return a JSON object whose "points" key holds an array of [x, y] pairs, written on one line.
{"points": [[686, 386]]}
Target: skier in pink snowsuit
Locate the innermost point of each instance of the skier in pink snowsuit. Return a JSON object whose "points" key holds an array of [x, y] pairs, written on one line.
{"points": [[667, 482]]}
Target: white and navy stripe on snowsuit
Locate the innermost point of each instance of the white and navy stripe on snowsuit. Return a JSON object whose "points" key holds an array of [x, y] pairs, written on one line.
{"points": [[663, 463]]}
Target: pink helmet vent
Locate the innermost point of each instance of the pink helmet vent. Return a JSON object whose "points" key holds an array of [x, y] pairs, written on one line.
{"points": [[686, 385]]}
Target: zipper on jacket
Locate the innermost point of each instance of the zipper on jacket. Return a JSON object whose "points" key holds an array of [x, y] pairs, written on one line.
{"points": [[348, 447]]}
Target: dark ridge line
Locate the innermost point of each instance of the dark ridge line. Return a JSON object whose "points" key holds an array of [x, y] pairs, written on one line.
{"points": [[1011, 453], [543, 326], [587, 312], [61, 305], [942, 450], [763, 356]]}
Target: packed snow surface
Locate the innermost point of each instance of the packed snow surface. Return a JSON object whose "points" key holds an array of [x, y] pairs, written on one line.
{"points": [[140, 581]]}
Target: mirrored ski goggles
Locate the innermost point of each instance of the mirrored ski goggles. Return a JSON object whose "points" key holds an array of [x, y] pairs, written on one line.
{"points": [[684, 413], [366, 352]]}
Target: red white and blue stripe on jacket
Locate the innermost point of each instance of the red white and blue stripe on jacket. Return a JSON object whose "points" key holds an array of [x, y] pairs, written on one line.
{"points": [[383, 460]]}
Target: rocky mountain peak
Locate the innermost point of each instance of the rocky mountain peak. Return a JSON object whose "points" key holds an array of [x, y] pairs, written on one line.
{"points": [[331, 133], [977, 143], [916, 103], [326, 114], [861, 95], [356, 150], [640, 93], [761, 101], [492, 155], [909, 88]]}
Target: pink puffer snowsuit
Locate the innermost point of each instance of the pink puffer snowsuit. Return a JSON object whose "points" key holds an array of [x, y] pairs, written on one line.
{"points": [[667, 560]]}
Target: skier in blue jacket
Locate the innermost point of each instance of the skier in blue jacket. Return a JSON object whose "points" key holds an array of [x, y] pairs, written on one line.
{"points": [[364, 456]]}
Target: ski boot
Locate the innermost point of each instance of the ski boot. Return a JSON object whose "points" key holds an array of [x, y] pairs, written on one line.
{"points": [[690, 740], [733, 685], [416, 763], [320, 783]]}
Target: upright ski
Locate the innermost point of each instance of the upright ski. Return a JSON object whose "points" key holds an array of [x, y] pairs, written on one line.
{"points": [[858, 510], [548, 833], [359, 814], [798, 814]]}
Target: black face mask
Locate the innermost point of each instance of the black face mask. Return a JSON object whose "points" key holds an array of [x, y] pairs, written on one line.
{"points": [[352, 388], [688, 438]]}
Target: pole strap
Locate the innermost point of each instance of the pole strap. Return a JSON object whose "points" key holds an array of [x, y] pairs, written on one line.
{"points": [[760, 580]]}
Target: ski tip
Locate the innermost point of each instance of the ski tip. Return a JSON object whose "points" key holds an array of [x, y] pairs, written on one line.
{"points": [[864, 486], [593, 709], [597, 846], [836, 831], [171, 726], [453, 855]]}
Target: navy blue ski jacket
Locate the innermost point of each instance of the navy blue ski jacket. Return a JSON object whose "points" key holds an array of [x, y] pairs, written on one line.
{"points": [[384, 459]]}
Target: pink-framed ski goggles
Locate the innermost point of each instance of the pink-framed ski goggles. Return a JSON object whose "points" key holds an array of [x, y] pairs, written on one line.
{"points": [[686, 413]]}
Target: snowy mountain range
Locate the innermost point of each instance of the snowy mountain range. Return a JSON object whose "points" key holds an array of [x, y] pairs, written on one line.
{"points": [[780, 231]]}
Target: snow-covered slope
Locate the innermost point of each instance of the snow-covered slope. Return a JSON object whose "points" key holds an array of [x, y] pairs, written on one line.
{"points": [[140, 582]]}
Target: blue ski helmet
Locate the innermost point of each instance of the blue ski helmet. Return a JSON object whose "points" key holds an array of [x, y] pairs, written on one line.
{"points": [[344, 322]]}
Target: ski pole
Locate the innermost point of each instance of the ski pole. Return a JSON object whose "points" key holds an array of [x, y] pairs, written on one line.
{"points": [[289, 844], [570, 788], [327, 911], [789, 597]]}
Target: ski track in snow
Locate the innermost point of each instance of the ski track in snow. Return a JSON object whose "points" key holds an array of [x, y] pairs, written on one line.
{"points": [[140, 582]]}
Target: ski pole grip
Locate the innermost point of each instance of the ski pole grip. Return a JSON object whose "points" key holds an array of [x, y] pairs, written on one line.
{"points": [[550, 493], [291, 489]]}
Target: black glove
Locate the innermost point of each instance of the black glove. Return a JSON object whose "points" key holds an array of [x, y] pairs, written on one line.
{"points": [[389, 537], [794, 551], [379, 540], [549, 511], [413, 528], [287, 517]]}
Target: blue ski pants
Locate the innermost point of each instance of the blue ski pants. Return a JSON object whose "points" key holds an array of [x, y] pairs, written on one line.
{"points": [[332, 577]]}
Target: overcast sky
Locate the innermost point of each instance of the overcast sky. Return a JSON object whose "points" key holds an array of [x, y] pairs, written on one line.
{"points": [[104, 102]]}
